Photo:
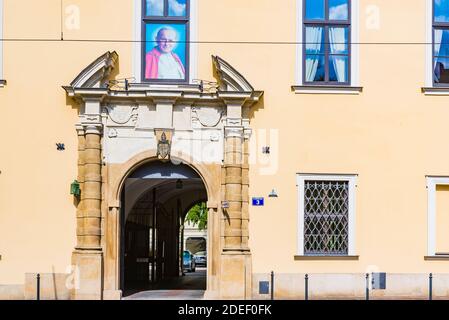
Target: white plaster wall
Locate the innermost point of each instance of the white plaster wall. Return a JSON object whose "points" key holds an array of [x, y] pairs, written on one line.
{"points": [[201, 146], [129, 130]]}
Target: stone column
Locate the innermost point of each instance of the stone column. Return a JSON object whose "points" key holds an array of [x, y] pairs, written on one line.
{"points": [[235, 275], [213, 251], [92, 189], [80, 206], [111, 286], [245, 189], [88, 255], [233, 188]]}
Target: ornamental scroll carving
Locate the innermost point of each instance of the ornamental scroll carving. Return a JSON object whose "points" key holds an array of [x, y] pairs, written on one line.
{"points": [[122, 115], [209, 117]]}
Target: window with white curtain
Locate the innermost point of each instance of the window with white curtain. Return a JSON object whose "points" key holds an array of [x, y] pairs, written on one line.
{"points": [[327, 38], [440, 22]]}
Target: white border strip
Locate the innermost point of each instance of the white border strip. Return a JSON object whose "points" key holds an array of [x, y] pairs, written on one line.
{"points": [[329, 90], [355, 51], [193, 73], [432, 183], [299, 55], [428, 47], [136, 60], [1, 42], [137, 34], [352, 180]]}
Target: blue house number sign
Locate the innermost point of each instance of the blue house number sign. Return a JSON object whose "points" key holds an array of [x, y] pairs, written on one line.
{"points": [[258, 202]]}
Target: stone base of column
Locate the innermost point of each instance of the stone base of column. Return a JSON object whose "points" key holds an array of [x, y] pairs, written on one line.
{"points": [[236, 275], [89, 274], [112, 295], [213, 286]]}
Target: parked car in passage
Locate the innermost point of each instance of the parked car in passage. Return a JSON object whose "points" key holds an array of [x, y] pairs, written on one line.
{"points": [[188, 261], [201, 258]]}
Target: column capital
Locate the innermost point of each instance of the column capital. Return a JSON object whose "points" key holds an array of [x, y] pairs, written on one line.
{"points": [[235, 99], [115, 204], [234, 132], [79, 129], [247, 133], [212, 205], [90, 122], [91, 117], [94, 129]]}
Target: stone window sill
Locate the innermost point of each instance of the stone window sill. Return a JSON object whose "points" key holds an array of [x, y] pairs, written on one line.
{"points": [[2, 83], [435, 91], [318, 258], [351, 90], [437, 257]]}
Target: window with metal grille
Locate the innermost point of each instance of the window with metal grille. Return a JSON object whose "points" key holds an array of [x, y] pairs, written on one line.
{"points": [[326, 217]]}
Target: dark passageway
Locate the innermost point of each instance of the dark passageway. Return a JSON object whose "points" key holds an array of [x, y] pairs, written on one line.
{"points": [[157, 197]]}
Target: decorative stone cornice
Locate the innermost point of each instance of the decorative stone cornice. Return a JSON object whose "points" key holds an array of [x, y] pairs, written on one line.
{"points": [[219, 98], [87, 93], [92, 82], [92, 91]]}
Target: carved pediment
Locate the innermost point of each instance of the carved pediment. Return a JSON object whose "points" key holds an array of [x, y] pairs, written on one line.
{"points": [[96, 74], [230, 79]]}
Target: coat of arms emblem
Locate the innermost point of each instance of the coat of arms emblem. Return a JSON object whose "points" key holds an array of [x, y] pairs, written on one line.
{"points": [[163, 147]]}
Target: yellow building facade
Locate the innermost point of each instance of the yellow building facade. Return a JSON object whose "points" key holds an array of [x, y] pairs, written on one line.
{"points": [[335, 114]]}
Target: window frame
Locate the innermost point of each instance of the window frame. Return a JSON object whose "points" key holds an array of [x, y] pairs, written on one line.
{"points": [[326, 24], [440, 26], [432, 182], [145, 20], [351, 179], [2, 81]]}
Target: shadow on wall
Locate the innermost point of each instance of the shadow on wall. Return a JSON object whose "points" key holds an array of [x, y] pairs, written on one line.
{"points": [[255, 108], [52, 286]]}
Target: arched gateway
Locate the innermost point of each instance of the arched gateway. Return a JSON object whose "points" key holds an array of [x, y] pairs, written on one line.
{"points": [[135, 143], [155, 199]]}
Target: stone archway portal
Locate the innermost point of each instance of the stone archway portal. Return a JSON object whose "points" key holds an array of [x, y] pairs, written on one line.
{"points": [[155, 198], [118, 132]]}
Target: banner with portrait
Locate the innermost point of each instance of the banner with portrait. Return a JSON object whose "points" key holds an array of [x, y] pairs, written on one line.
{"points": [[165, 51]]}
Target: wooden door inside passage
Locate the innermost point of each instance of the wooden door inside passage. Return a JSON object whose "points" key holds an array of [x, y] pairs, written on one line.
{"points": [[137, 248]]}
